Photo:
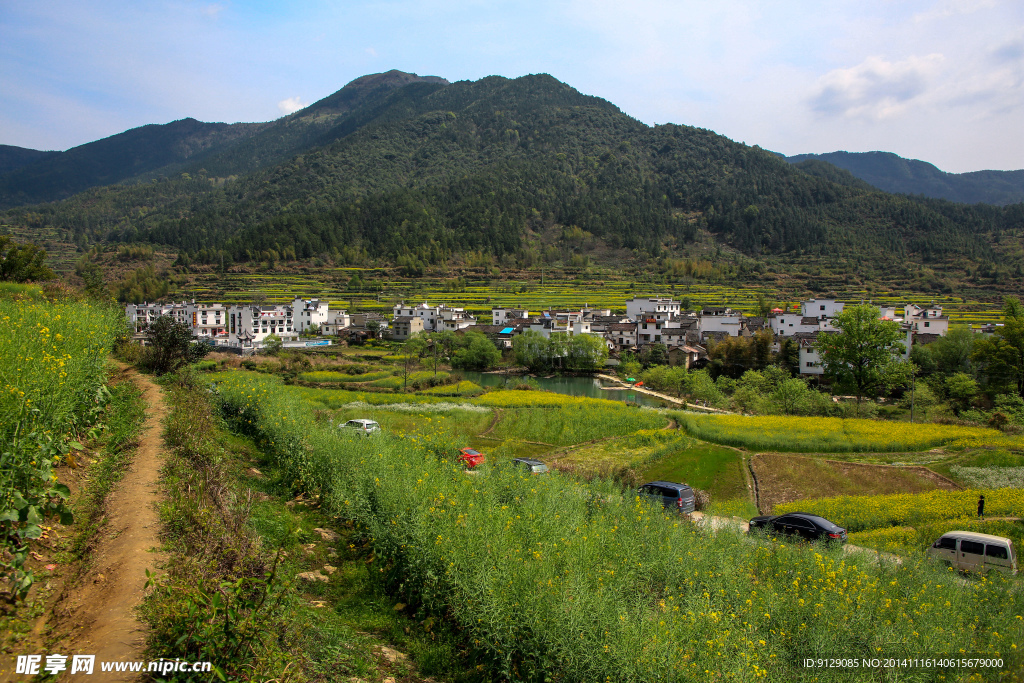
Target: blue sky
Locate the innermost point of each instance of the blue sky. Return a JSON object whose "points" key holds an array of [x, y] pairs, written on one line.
{"points": [[938, 80]]}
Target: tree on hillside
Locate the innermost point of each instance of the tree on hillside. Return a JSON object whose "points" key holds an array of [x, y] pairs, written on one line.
{"points": [[22, 262], [1000, 357], [866, 355]]}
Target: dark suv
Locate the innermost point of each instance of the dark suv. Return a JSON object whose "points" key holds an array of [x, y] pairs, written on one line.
{"points": [[674, 497]]}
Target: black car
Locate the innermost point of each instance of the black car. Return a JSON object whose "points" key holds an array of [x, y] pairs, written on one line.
{"points": [[674, 497], [801, 525]]}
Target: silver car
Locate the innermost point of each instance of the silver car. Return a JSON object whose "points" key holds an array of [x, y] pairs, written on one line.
{"points": [[364, 427]]}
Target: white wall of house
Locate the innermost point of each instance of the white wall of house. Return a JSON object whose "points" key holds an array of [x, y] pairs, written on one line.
{"points": [[208, 320], [501, 316], [250, 325], [788, 324], [309, 313], [659, 308], [820, 308], [728, 323], [810, 359]]}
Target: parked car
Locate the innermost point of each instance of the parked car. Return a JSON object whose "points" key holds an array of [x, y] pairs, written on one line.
{"points": [[530, 465], [970, 551], [471, 457], [674, 497], [801, 525], [363, 427]]}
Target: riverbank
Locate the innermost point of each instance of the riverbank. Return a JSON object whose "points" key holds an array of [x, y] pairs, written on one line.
{"points": [[659, 395]]}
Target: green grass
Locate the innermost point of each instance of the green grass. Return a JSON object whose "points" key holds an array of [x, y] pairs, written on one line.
{"points": [[463, 388], [575, 422], [714, 469], [314, 631]]}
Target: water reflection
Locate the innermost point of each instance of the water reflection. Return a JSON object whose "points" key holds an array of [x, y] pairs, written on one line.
{"points": [[591, 387]]}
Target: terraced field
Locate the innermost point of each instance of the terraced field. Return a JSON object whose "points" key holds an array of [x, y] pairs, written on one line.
{"points": [[382, 290]]}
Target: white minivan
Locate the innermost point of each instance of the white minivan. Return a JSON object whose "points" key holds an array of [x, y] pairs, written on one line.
{"points": [[974, 552]]}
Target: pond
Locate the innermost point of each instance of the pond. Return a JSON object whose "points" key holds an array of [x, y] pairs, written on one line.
{"points": [[591, 387]]}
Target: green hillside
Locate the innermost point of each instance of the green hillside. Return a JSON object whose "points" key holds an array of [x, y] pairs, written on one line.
{"points": [[413, 171]]}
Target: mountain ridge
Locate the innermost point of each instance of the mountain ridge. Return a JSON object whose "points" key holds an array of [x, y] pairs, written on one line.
{"points": [[892, 173]]}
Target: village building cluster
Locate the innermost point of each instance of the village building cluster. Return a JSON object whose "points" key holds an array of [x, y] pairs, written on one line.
{"points": [[646, 321]]}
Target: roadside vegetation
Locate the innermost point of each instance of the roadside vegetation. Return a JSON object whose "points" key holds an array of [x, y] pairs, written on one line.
{"points": [[265, 584], [53, 355]]}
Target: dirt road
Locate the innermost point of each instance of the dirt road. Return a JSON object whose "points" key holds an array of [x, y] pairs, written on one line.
{"points": [[98, 615]]}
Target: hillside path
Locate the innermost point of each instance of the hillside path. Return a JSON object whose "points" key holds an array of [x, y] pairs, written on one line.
{"points": [[98, 616]]}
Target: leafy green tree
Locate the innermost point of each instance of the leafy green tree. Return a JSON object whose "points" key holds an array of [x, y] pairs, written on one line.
{"points": [[272, 344], [654, 354], [587, 352], [865, 356], [921, 355], [922, 398], [171, 346], [961, 388], [22, 262], [479, 353], [952, 353], [531, 350], [789, 395], [1000, 357]]}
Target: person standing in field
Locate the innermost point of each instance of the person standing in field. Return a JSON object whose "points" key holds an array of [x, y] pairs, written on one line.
{"points": [[981, 506]]}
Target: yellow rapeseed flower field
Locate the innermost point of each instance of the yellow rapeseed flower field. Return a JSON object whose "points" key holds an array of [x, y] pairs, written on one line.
{"points": [[833, 434]]}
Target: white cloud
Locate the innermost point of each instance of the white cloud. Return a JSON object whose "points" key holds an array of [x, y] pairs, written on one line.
{"points": [[951, 8], [876, 89], [370, 51], [291, 105], [213, 11]]}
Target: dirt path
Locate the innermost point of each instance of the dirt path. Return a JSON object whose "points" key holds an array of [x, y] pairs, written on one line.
{"points": [[97, 616]]}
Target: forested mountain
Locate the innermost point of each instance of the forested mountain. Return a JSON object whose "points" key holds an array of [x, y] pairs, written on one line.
{"points": [[12, 158], [893, 173], [142, 150], [414, 171], [191, 146]]}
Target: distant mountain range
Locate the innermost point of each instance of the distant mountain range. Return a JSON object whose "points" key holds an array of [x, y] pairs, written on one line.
{"points": [[893, 173], [413, 171]]}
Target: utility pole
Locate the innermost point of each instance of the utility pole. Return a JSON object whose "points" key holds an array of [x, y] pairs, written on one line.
{"points": [[913, 387]]}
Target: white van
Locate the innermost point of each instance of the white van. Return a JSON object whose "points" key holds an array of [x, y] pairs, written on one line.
{"points": [[974, 552]]}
